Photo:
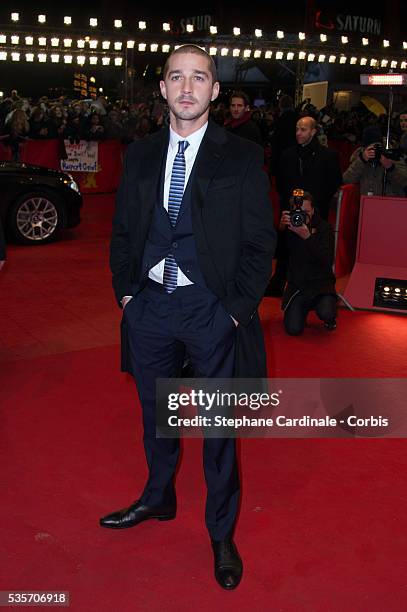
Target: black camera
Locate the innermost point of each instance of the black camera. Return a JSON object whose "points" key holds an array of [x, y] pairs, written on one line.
{"points": [[298, 217], [380, 150]]}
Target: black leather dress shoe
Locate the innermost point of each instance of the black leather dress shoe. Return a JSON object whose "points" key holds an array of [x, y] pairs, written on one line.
{"points": [[135, 514], [228, 564]]}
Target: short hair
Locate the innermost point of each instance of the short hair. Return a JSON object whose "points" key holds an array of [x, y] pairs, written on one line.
{"points": [[198, 51], [240, 94]]}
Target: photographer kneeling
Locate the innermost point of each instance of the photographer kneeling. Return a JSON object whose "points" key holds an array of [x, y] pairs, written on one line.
{"points": [[310, 280]]}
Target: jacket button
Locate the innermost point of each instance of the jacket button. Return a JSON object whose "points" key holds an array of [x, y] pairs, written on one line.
{"points": [[175, 245]]}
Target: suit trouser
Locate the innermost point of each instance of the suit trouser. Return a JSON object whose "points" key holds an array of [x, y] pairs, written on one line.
{"points": [[161, 327], [295, 315]]}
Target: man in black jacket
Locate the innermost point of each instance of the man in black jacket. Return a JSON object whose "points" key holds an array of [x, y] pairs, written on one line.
{"points": [[191, 252], [310, 280], [240, 121], [310, 166]]}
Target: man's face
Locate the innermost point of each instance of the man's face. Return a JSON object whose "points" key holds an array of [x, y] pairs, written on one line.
{"points": [[238, 108], [403, 122], [308, 208], [188, 88], [304, 131]]}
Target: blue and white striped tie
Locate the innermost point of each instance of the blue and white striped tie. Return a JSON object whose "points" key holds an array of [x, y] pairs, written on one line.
{"points": [[175, 196]]}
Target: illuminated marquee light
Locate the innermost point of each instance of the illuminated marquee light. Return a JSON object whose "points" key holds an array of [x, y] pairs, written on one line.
{"points": [[93, 44], [3, 55], [268, 54], [190, 28], [403, 65], [15, 40], [93, 22], [15, 17], [106, 44], [118, 61], [323, 37], [166, 27], [15, 56], [165, 48], [373, 62], [301, 35], [81, 59], [363, 61], [342, 59], [213, 50], [393, 64], [247, 53], [279, 55], [257, 53], [386, 43], [365, 41], [3, 39], [105, 61], [383, 79], [67, 42], [42, 58], [29, 57], [236, 52], [353, 60], [258, 33], [93, 60], [280, 34], [213, 29], [55, 58], [384, 63], [142, 25], [42, 19], [118, 23], [404, 44], [154, 47], [142, 46], [311, 57], [344, 40], [332, 59], [224, 51], [67, 20], [54, 42], [68, 59], [29, 40], [236, 31], [130, 44], [80, 43], [117, 45], [42, 41], [302, 55], [290, 56]]}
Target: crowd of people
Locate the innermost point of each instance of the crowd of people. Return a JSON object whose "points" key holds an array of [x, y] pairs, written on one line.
{"points": [[296, 141], [103, 119]]}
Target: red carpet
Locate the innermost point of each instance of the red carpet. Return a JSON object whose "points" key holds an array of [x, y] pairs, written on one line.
{"points": [[322, 525]]}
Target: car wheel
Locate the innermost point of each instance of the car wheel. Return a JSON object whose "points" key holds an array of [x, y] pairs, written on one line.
{"points": [[37, 217]]}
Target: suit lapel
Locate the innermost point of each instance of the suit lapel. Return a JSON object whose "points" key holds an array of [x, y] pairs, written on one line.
{"points": [[151, 169]]}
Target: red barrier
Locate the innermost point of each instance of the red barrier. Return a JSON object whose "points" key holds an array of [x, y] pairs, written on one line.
{"points": [[45, 153], [48, 153], [5, 153], [347, 229], [110, 163]]}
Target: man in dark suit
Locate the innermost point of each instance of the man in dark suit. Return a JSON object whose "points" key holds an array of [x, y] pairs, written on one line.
{"points": [[191, 253]]}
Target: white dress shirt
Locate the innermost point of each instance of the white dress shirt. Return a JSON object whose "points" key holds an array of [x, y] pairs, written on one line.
{"points": [[156, 274]]}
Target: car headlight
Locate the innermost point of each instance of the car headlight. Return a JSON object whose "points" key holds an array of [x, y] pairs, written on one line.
{"points": [[72, 184]]}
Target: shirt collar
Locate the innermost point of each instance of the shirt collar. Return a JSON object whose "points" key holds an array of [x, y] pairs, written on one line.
{"points": [[194, 139]]}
